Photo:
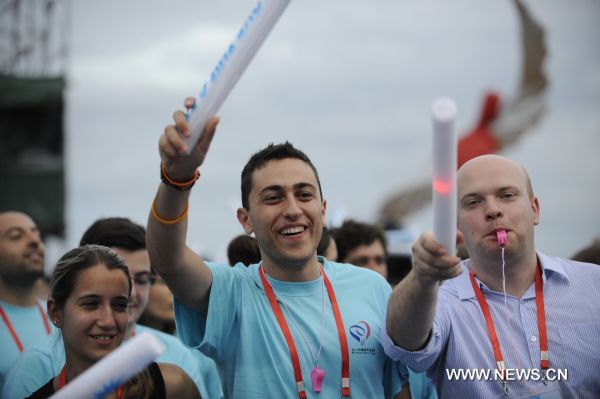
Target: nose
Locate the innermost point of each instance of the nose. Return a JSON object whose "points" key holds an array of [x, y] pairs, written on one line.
{"points": [[106, 317], [492, 211], [292, 209], [35, 240]]}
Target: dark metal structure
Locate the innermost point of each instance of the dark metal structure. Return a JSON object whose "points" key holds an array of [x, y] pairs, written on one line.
{"points": [[33, 63]]}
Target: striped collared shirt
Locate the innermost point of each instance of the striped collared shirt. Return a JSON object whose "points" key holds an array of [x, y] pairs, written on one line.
{"points": [[459, 357]]}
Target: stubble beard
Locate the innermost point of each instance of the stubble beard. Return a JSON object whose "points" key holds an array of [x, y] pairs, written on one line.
{"points": [[22, 279]]}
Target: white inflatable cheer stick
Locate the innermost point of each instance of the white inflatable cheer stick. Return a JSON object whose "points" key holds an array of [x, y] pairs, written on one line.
{"points": [[444, 173], [232, 64], [113, 370]]}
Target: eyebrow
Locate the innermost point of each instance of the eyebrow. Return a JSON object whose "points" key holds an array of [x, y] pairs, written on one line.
{"points": [[96, 296], [20, 228], [88, 296], [279, 187], [499, 190]]}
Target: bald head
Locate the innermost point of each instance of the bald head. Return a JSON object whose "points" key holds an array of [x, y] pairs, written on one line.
{"points": [[495, 192], [21, 251], [8, 217], [485, 166]]}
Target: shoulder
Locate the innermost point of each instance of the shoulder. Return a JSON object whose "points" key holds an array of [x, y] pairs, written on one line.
{"points": [[346, 272], [570, 268], [177, 383], [167, 339], [578, 276], [353, 283], [175, 350], [16, 310], [48, 358], [238, 271]]}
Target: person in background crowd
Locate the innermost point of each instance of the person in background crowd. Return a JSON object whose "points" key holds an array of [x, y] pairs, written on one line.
{"points": [[327, 247], [363, 245], [23, 321], [159, 313], [89, 298], [589, 254], [243, 249]]}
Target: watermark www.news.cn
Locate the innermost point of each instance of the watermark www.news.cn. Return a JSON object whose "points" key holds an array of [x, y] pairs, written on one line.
{"points": [[508, 374]]}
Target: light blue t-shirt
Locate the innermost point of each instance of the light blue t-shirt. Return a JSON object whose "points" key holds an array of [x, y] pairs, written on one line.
{"points": [[420, 386], [210, 375], [30, 328], [242, 335], [36, 366]]}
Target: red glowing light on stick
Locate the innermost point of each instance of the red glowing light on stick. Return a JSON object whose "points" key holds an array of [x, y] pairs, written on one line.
{"points": [[441, 187]]}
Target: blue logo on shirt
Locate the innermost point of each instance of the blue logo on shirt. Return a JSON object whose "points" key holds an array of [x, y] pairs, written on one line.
{"points": [[361, 332]]}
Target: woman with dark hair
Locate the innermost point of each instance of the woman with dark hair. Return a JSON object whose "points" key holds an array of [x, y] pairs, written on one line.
{"points": [[89, 296]]}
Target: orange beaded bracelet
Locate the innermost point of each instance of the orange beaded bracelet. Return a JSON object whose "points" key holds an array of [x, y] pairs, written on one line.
{"points": [[169, 222]]}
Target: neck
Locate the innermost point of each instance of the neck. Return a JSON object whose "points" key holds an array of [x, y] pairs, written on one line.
{"points": [[74, 366], [520, 273], [17, 295], [308, 271]]}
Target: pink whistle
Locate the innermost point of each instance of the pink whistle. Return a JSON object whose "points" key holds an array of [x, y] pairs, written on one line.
{"points": [[501, 237], [317, 376]]}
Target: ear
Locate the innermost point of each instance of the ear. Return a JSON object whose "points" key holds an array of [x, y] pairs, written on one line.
{"points": [[244, 219], [323, 212], [56, 315], [459, 238], [535, 207]]}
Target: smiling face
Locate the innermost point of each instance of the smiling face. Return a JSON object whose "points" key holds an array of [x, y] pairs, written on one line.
{"points": [[21, 249], [494, 193], [94, 317], [286, 213]]}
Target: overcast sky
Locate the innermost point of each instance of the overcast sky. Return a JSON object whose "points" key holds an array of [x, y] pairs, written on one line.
{"points": [[349, 82]]}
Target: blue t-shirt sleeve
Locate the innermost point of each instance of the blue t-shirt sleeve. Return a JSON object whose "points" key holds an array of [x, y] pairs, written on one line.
{"points": [[395, 377], [421, 386], [213, 333], [34, 368]]}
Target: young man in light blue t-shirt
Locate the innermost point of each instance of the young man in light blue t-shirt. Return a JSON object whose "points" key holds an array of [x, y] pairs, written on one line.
{"points": [[294, 325]]}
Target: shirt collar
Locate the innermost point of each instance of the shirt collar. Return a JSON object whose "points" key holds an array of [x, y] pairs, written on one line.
{"points": [[552, 268]]}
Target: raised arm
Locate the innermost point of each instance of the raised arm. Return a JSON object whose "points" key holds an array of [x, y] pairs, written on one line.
{"points": [[411, 308], [182, 269]]}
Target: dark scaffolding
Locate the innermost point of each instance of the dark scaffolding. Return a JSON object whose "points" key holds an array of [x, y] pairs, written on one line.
{"points": [[33, 58]]}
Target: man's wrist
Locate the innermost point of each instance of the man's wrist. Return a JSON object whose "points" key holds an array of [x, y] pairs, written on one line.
{"points": [[181, 185]]}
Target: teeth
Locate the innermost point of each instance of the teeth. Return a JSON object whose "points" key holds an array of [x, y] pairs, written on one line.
{"points": [[293, 230], [102, 337]]}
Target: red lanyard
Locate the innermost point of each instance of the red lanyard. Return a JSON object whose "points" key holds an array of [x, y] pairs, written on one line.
{"points": [[290, 340], [541, 317], [12, 331], [62, 381]]}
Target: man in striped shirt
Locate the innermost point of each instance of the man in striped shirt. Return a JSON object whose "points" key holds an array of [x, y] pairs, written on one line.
{"points": [[510, 321]]}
